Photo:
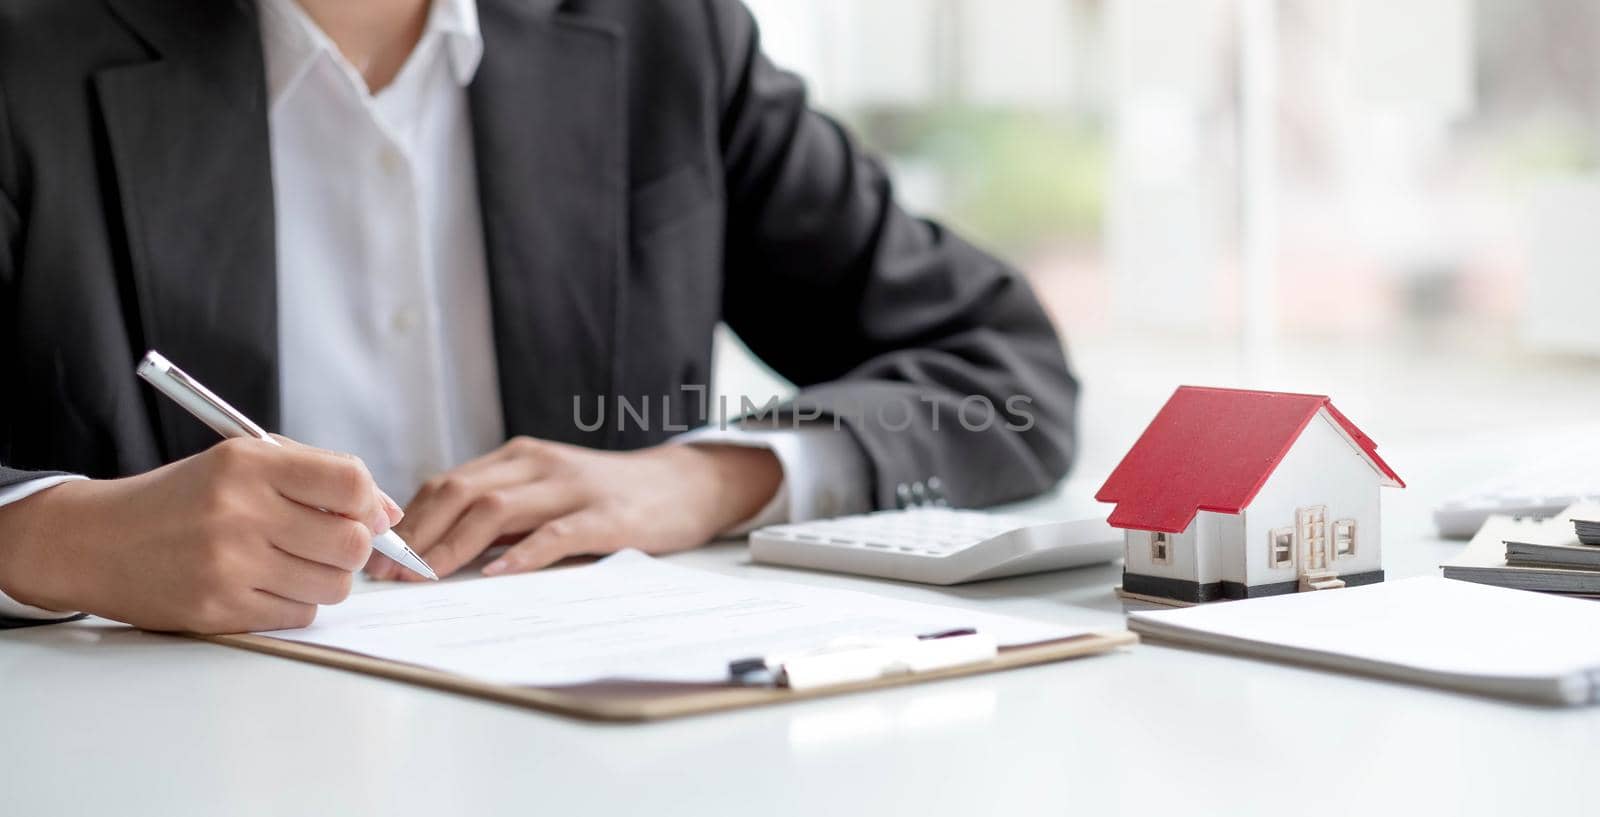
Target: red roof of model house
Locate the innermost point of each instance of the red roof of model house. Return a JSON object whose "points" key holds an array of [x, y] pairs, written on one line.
{"points": [[1212, 450]]}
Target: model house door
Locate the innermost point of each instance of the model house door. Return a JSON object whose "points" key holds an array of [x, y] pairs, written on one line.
{"points": [[1311, 524]]}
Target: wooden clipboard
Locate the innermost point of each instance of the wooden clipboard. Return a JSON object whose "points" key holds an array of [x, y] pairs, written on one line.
{"points": [[648, 701]]}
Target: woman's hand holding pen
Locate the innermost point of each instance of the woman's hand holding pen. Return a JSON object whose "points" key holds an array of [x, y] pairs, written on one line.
{"points": [[228, 540], [550, 501]]}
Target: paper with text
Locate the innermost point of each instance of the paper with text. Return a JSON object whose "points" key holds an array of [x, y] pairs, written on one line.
{"points": [[626, 617]]}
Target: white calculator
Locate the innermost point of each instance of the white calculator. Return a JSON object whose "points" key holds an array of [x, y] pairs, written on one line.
{"points": [[936, 545], [1555, 473]]}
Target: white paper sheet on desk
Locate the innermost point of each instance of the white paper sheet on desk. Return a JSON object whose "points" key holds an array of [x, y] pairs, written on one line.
{"points": [[627, 616]]}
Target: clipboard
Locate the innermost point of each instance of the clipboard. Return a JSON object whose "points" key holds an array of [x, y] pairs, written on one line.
{"points": [[638, 701]]}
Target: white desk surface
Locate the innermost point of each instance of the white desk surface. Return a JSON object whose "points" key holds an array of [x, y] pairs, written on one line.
{"points": [[98, 719]]}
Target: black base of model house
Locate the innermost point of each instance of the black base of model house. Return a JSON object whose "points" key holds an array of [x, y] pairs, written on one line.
{"points": [[1184, 590]]}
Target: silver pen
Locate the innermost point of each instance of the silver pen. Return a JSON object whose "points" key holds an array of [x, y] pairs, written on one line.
{"points": [[227, 421]]}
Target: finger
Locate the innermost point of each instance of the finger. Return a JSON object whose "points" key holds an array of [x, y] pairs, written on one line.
{"points": [[378, 566], [520, 448], [390, 507], [442, 500], [509, 450], [518, 509], [300, 580], [584, 532], [268, 611], [325, 538], [259, 610], [339, 483]]}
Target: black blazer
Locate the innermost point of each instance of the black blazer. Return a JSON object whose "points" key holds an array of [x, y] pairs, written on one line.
{"points": [[644, 172]]}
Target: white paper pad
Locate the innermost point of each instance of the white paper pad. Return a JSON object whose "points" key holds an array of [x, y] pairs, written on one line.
{"points": [[1491, 640], [627, 616]]}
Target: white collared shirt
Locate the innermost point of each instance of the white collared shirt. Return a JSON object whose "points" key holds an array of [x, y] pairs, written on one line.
{"points": [[385, 345]]}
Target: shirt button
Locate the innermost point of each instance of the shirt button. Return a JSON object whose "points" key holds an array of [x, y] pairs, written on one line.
{"points": [[391, 161], [404, 320]]}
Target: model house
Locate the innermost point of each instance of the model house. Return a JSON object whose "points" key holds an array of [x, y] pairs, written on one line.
{"points": [[1237, 494]]}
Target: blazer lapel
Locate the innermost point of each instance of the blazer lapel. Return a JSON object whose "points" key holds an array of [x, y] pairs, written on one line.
{"points": [[188, 137], [549, 124]]}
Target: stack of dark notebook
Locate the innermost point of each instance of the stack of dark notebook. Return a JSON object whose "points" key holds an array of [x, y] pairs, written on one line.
{"points": [[1588, 530], [1560, 554]]}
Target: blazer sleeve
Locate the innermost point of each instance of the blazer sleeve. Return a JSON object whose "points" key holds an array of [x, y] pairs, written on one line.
{"points": [[934, 354], [10, 237]]}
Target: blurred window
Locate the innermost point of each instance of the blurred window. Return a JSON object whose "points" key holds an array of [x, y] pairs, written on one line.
{"points": [[1365, 170]]}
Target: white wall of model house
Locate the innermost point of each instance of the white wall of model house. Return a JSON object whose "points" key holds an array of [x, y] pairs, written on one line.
{"points": [[1201, 553], [1322, 468]]}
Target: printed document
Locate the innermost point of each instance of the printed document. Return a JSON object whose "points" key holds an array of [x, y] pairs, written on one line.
{"points": [[626, 617]]}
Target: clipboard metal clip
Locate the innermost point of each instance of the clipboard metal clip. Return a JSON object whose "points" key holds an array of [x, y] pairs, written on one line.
{"points": [[859, 660]]}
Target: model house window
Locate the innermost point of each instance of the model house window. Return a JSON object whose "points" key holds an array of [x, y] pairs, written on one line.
{"points": [[1280, 547], [1161, 548], [1344, 538]]}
